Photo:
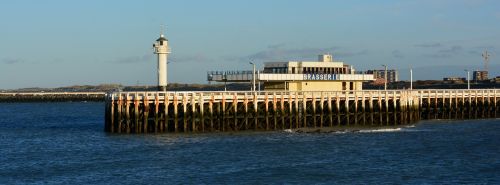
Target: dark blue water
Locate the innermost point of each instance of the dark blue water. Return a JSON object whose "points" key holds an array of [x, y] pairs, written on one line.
{"points": [[64, 143]]}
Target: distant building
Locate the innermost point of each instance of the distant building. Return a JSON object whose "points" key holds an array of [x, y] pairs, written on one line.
{"points": [[480, 75], [454, 79], [496, 79], [379, 75]]}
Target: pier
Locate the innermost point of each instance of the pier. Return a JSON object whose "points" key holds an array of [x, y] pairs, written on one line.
{"points": [[51, 96], [221, 111]]}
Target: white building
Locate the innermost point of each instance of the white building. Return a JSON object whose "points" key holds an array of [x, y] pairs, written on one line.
{"points": [[326, 74]]}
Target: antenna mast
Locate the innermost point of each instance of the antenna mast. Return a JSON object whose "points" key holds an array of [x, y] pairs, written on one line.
{"points": [[162, 30], [486, 58]]}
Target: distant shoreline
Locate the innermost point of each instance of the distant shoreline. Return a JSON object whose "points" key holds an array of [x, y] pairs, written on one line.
{"points": [[7, 95]]}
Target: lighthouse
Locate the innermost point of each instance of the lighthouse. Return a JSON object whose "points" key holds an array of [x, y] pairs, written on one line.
{"points": [[162, 50]]}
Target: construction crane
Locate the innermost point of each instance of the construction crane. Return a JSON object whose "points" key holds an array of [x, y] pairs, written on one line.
{"points": [[486, 58]]}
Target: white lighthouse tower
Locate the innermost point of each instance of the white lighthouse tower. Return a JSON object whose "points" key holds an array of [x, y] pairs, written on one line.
{"points": [[162, 50]]}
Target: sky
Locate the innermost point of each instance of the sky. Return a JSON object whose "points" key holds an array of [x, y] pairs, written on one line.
{"points": [[61, 43]]}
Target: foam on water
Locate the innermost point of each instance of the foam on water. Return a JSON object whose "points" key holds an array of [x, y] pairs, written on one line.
{"points": [[381, 130], [341, 132]]}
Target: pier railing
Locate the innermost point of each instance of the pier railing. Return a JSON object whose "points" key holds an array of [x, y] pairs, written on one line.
{"points": [[422, 95]]}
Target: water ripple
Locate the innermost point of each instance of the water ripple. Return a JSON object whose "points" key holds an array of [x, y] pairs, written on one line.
{"points": [[64, 143]]}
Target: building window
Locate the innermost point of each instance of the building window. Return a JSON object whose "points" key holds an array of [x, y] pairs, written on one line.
{"points": [[293, 70]]}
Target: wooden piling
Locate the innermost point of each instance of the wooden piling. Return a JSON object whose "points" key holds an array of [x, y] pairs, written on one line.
{"points": [[166, 103], [296, 109], [394, 100], [184, 112], [495, 99], [145, 115], [386, 101], [255, 108], [112, 114], [435, 101], [355, 102], [379, 101], [363, 101], [370, 101], [275, 109], [201, 103], [223, 101], [313, 114], [157, 107], [137, 113], [193, 112], [176, 112], [211, 111], [235, 111], [428, 101], [346, 105], [127, 112], [120, 115], [304, 109]]}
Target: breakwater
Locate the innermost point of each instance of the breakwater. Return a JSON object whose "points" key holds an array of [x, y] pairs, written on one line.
{"points": [[51, 96], [156, 112]]}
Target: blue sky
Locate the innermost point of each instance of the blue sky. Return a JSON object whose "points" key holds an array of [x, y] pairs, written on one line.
{"points": [[61, 43]]}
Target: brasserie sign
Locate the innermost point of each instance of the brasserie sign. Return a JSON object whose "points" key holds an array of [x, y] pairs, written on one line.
{"points": [[321, 77]]}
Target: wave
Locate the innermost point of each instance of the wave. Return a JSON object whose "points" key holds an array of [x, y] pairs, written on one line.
{"points": [[408, 128], [342, 132], [381, 130]]}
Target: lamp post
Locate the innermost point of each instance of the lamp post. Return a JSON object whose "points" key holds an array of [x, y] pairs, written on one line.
{"points": [[258, 74], [411, 78], [224, 77], [468, 78], [385, 77], [253, 76]]}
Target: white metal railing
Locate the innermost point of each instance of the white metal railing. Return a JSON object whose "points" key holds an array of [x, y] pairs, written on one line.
{"points": [[239, 95]]}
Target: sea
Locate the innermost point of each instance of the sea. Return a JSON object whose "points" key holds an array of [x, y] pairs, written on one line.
{"points": [[65, 143]]}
